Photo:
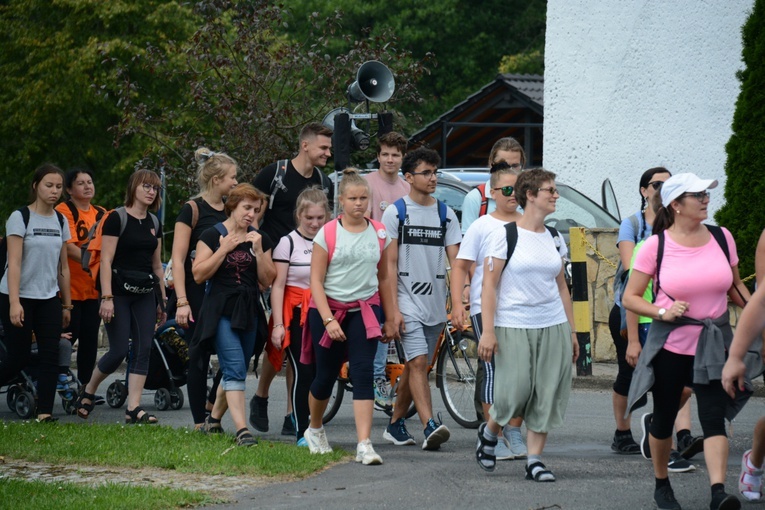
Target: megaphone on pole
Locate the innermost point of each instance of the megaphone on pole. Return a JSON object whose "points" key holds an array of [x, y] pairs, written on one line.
{"points": [[359, 139], [374, 82]]}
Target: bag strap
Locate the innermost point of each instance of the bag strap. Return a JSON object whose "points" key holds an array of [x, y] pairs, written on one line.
{"points": [[277, 182], [330, 235], [400, 205], [484, 200], [194, 213], [73, 209]]}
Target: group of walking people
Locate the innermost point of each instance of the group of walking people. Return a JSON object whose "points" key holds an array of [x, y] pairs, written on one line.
{"points": [[341, 289]]}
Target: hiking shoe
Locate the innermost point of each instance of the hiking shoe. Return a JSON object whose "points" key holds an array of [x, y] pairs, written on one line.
{"points": [[677, 464], [645, 446], [259, 413], [397, 434], [289, 429], [517, 446], [302, 443], [245, 438], [382, 395], [665, 498], [317, 441], [366, 454], [724, 501], [750, 479], [624, 444], [502, 451], [436, 434], [689, 446]]}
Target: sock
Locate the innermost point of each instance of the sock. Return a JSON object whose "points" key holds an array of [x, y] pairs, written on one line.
{"points": [[532, 459], [488, 435], [213, 420], [662, 482], [753, 481], [315, 431], [681, 434], [717, 488]]}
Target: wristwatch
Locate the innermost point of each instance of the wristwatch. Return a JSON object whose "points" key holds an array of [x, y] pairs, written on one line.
{"points": [[662, 311]]}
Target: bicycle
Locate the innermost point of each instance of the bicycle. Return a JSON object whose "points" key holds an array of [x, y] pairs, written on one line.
{"points": [[456, 361]]}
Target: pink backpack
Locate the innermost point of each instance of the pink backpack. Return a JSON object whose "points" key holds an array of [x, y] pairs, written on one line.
{"points": [[330, 236]]}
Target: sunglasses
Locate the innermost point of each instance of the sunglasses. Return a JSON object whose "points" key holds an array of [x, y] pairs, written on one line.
{"points": [[656, 185], [502, 165], [506, 190], [553, 191], [701, 196]]}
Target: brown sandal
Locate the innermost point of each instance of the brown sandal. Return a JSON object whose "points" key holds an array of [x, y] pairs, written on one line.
{"points": [[132, 416]]}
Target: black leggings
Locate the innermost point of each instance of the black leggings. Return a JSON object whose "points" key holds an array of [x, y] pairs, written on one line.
{"points": [[84, 327], [43, 317], [673, 372], [304, 375], [357, 348], [624, 375], [134, 319]]}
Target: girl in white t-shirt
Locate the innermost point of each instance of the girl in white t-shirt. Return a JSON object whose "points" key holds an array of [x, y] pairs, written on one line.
{"points": [[36, 272], [290, 294], [347, 269], [528, 327]]}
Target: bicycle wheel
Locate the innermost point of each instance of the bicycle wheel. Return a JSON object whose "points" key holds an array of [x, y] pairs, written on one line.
{"points": [[335, 400], [456, 377]]}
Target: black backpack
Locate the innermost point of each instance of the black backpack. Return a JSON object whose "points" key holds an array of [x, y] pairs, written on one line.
{"points": [[277, 183], [511, 232], [4, 242]]}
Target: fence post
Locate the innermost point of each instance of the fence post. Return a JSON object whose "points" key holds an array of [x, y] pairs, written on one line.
{"points": [[579, 297]]}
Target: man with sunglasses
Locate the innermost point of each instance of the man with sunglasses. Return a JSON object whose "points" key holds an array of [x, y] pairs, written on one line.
{"points": [[423, 232]]}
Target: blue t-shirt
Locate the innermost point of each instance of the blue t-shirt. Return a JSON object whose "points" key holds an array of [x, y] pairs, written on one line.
{"points": [[627, 229]]}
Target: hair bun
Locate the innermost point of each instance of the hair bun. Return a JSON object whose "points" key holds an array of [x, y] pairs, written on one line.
{"points": [[350, 170], [202, 154]]}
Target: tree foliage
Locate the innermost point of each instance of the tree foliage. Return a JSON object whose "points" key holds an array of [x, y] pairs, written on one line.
{"points": [[51, 55], [246, 86], [744, 213], [468, 40]]}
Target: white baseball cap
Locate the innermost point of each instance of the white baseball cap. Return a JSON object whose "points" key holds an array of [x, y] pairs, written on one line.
{"points": [[683, 183]]}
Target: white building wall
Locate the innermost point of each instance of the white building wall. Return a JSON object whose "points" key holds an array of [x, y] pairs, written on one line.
{"points": [[631, 84]]}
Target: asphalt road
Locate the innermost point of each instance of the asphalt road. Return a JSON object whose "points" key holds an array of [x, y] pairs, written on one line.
{"points": [[589, 475]]}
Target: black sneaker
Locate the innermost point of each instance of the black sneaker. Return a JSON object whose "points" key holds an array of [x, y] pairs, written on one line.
{"points": [[724, 501], [288, 429], [259, 413], [677, 464], [645, 447], [689, 446], [665, 498]]}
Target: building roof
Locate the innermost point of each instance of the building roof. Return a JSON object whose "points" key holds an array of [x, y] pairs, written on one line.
{"points": [[511, 105]]}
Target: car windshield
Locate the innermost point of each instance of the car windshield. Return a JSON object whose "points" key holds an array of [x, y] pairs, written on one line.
{"points": [[574, 209]]}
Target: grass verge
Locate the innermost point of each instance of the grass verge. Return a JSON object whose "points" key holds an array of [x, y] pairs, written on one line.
{"points": [[40, 495], [140, 446]]}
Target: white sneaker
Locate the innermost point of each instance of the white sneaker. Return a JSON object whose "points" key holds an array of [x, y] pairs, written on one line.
{"points": [[366, 454], [517, 447], [317, 441], [502, 450]]}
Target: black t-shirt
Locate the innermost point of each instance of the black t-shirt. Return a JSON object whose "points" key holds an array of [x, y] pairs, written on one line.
{"points": [[208, 218], [279, 220], [136, 245], [240, 266]]}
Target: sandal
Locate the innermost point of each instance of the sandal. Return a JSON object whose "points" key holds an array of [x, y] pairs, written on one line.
{"points": [[539, 473], [47, 419], [245, 438], [133, 416], [487, 461], [624, 444], [750, 480], [212, 426], [83, 409]]}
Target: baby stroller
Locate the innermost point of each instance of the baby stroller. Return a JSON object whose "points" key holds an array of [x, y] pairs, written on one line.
{"points": [[168, 366], [21, 392]]}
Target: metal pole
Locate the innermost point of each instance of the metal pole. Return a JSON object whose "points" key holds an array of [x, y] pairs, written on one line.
{"points": [[579, 298]]}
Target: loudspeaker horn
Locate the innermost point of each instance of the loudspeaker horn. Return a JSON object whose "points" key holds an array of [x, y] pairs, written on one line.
{"points": [[374, 82], [359, 139]]}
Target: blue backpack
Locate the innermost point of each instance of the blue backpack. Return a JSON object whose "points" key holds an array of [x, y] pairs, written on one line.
{"points": [[400, 205]]}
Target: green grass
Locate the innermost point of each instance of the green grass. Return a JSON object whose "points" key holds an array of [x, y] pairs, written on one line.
{"points": [[156, 446], [40, 495]]}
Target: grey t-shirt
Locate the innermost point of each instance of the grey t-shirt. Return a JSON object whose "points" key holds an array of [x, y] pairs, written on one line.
{"points": [[43, 239], [422, 265]]}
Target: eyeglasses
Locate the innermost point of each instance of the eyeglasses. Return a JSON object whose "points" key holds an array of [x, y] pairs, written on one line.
{"points": [[506, 190], [553, 191], [701, 196], [428, 174], [149, 187], [656, 185]]}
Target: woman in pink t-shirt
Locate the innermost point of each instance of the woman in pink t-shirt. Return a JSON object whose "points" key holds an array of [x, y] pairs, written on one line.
{"points": [[687, 340]]}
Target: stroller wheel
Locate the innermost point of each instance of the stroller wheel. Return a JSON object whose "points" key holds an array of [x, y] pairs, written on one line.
{"points": [[176, 399], [162, 399], [116, 394], [25, 405], [13, 393]]}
